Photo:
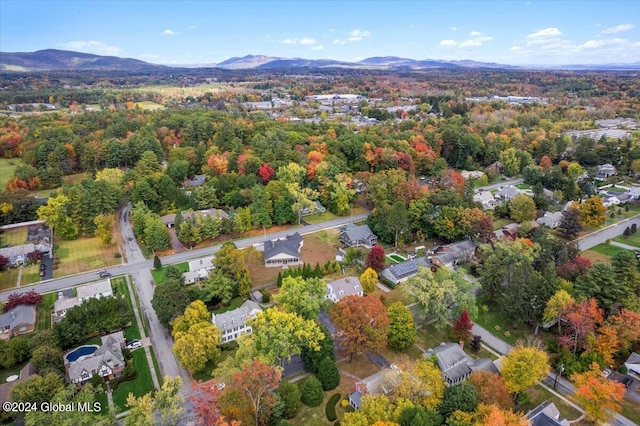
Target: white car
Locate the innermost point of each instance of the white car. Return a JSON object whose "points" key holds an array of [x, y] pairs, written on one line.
{"points": [[606, 372], [134, 345]]}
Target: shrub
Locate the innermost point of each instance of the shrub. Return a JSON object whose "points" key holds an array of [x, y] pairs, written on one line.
{"points": [[330, 408], [157, 263], [28, 298], [289, 395], [229, 346], [117, 255], [266, 297], [311, 392], [328, 374]]}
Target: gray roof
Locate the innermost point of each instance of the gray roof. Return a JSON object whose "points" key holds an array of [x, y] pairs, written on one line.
{"points": [[634, 358], [461, 246], [21, 314], [356, 397], [549, 218], [508, 191], [545, 414], [356, 232], [484, 364], [237, 317], [455, 363], [94, 289], [407, 268], [109, 354], [198, 180], [348, 285], [290, 245]]}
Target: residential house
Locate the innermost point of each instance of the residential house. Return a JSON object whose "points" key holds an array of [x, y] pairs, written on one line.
{"points": [[475, 174], [90, 291], [317, 208], [552, 220], [344, 287], [485, 198], [234, 323], [508, 192], [357, 235], [400, 272], [107, 361], [546, 414], [5, 388], [610, 201], [284, 251], [199, 270], [378, 383], [452, 254], [19, 255], [634, 192], [633, 363], [604, 171], [456, 365], [18, 320]]}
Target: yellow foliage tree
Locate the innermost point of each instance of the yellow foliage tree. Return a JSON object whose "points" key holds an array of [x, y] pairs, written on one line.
{"points": [[368, 279], [194, 313], [523, 367], [598, 395], [592, 212]]}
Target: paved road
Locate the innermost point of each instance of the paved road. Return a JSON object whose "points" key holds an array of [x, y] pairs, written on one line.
{"points": [[499, 184], [139, 263], [604, 234]]}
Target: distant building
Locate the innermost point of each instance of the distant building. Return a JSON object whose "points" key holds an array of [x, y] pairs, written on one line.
{"points": [[198, 180], [485, 198], [356, 236], [170, 219], [552, 220], [348, 286], [401, 272], [508, 192], [633, 364], [452, 254], [234, 323], [604, 171], [283, 252]]}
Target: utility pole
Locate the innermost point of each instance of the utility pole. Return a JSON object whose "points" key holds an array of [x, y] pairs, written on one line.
{"points": [[558, 374]]}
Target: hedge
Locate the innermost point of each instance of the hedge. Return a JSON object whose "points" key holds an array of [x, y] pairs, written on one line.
{"points": [[330, 408]]}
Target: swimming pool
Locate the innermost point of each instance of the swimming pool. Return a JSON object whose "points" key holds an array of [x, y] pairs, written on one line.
{"points": [[75, 354]]}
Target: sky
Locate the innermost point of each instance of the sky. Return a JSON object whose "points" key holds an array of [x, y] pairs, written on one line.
{"points": [[205, 32]]}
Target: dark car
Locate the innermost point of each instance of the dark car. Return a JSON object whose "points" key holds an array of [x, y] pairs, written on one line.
{"points": [[105, 274], [627, 382]]}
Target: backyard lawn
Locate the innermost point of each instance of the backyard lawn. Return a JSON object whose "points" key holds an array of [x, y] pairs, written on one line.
{"points": [[82, 255], [319, 217], [140, 386], [15, 236], [491, 318], [119, 286], [7, 167], [315, 416], [607, 249], [44, 310], [632, 240], [9, 277]]}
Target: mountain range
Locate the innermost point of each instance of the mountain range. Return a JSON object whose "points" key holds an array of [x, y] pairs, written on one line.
{"points": [[52, 59]]}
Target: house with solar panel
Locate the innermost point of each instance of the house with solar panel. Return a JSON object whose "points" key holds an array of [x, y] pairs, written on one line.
{"points": [[400, 272], [284, 251]]}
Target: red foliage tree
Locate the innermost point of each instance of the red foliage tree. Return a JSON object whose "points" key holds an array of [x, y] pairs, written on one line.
{"points": [[583, 319], [203, 398], [462, 327], [256, 382], [572, 270], [491, 389], [375, 258], [28, 298], [545, 162], [3, 262], [265, 172], [361, 323]]}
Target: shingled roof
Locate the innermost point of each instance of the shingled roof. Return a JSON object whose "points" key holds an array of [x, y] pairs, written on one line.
{"points": [[289, 245]]}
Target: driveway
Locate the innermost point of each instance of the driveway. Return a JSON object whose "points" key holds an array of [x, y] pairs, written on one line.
{"points": [[48, 265], [377, 359]]}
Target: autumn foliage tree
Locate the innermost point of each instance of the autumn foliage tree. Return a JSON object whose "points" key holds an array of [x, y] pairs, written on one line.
{"points": [[402, 328], [523, 367], [582, 318], [257, 382], [375, 258], [361, 324], [368, 279], [598, 396], [592, 212], [491, 389], [27, 298], [462, 327]]}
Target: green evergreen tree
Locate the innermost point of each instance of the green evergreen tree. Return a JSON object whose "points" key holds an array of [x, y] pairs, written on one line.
{"points": [[328, 374]]}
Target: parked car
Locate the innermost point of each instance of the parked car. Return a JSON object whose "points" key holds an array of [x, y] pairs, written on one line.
{"points": [[606, 372], [104, 274], [627, 382], [134, 345]]}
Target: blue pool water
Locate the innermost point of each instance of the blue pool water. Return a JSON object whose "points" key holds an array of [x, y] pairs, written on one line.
{"points": [[81, 351]]}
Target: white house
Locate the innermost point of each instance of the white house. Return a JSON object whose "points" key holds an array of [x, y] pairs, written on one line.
{"points": [[199, 270], [90, 291], [610, 201], [344, 287], [552, 220], [508, 192], [485, 198], [234, 323]]}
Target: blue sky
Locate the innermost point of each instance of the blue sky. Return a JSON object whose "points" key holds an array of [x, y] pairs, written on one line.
{"points": [[198, 32]]}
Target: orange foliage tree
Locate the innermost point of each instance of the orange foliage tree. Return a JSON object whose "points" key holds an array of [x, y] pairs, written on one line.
{"points": [[491, 389], [598, 395]]}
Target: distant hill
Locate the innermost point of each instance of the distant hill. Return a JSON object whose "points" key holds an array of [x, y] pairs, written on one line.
{"points": [[53, 59]]}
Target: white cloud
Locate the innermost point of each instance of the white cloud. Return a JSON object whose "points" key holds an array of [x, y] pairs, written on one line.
{"points": [[591, 44], [289, 41], [355, 35], [515, 48], [169, 32], [470, 43], [448, 43], [91, 46], [483, 39], [475, 33], [453, 28], [303, 41], [618, 29], [544, 33], [307, 41], [318, 47]]}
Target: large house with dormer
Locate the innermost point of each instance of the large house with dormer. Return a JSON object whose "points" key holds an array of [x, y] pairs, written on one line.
{"points": [[284, 251], [339, 289], [107, 361], [235, 323], [83, 293]]}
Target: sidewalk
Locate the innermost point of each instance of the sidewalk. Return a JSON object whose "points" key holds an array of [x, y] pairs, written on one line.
{"points": [[624, 246]]}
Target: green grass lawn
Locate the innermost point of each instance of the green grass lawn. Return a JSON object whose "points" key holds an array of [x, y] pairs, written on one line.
{"points": [[7, 167], [83, 254], [499, 223], [119, 285], [101, 397], [319, 217], [156, 366], [137, 299], [616, 189], [159, 274], [632, 240], [495, 322], [524, 186], [140, 386], [44, 310], [631, 410], [607, 249]]}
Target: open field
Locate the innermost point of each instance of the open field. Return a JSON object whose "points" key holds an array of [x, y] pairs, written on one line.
{"points": [[149, 105], [140, 386], [7, 167], [83, 254], [607, 249]]}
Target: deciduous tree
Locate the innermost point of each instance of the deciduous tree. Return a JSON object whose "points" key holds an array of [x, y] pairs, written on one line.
{"points": [[491, 389], [599, 396], [257, 383], [441, 295], [570, 225], [361, 324], [592, 212], [368, 279], [402, 328], [557, 305], [463, 397], [523, 367], [170, 299], [168, 399], [302, 296], [140, 410], [522, 208], [375, 258], [462, 327]]}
